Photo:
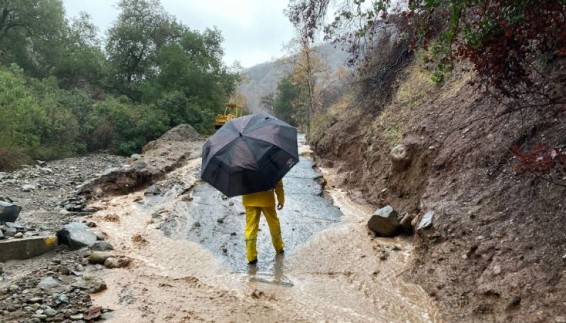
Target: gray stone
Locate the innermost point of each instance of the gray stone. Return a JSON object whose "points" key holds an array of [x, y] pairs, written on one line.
{"points": [[91, 284], [28, 188], [50, 312], [19, 235], [10, 232], [1, 235], [117, 262], [64, 270], [102, 246], [400, 157], [384, 222], [77, 317], [60, 299], [153, 190], [426, 221], [99, 235], [9, 212], [99, 257], [76, 235], [46, 170], [48, 283]]}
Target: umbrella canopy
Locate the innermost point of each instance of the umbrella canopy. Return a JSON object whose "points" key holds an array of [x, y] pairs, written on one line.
{"points": [[249, 154]]}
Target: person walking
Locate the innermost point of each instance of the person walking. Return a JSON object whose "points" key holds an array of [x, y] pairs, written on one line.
{"points": [[255, 204]]}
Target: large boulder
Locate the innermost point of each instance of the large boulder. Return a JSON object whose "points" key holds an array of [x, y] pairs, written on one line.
{"points": [[76, 235], [9, 212], [385, 222]]}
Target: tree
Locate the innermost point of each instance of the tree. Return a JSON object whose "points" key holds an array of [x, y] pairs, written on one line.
{"points": [[504, 40], [287, 104], [267, 101], [81, 63], [31, 34], [142, 28]]}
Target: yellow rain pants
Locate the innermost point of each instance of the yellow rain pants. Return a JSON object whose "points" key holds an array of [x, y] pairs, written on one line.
{"points": [[255, 204]]}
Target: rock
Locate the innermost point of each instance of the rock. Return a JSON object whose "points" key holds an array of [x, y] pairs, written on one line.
{"points": [[1, 235], [76, 235], [117, 262], [9, 212], [136, 156], [74, 204], [496, 270], [91, 284], [101, 246], [99, 257], [19, 235], [48, 283], [406, 223], [10, 232], [28, 188], [93, 313], [47, 171], [50, 312], [153, 190], [400, 157], [384, 222], [99, 235], [426, 221], [64, 270], [60, 299], [560, 319], [77, 317]]}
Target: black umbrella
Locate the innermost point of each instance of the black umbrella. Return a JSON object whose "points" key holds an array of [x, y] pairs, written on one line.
{"points": [[249, 154]]}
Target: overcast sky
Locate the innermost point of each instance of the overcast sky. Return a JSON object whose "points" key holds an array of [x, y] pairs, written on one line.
{"points": [[254, 30]]}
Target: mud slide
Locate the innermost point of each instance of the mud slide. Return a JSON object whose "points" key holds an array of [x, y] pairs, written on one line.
{"points": [[186, 268]]}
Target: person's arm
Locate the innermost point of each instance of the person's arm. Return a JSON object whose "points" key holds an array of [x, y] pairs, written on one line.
{"points": [[280, 194]]}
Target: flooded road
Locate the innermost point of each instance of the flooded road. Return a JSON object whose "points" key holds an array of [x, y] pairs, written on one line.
{"points": [[218, 222], [187, 243]]}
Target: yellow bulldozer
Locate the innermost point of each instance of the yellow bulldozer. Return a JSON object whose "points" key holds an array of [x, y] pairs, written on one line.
{"points": [[231, 111]]}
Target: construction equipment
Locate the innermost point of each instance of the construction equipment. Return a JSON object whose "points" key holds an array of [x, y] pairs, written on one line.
{"points": [[231, 111]]}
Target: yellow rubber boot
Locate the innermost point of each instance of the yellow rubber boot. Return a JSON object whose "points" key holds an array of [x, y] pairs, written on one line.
{"points": [[250, 232], [274, 228]]}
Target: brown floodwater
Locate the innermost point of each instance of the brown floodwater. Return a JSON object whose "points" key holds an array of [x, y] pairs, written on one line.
{"points": [[334, 275]]}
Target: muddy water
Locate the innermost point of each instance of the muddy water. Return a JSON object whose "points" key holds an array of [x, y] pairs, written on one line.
{"points": [[189, 258]]}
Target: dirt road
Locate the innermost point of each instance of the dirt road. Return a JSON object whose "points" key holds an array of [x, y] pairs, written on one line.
{"points": [[184, 271]]}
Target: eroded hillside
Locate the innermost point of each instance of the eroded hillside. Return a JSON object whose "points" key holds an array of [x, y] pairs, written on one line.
{"points": [[496, 249]]}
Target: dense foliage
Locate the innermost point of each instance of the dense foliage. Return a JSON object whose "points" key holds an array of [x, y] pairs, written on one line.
{"points": [[286, 101], [64, 92], [505, 40]]}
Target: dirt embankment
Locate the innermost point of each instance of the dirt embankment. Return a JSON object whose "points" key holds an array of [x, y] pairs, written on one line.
{"points": [[496, 251]]}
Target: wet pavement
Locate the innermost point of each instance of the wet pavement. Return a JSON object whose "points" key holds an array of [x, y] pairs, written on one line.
{"points": [[218, 222]]}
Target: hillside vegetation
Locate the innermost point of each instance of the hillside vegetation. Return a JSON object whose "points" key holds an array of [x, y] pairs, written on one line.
{"points": [[262, 80], [64, 92], [476, 96]]}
